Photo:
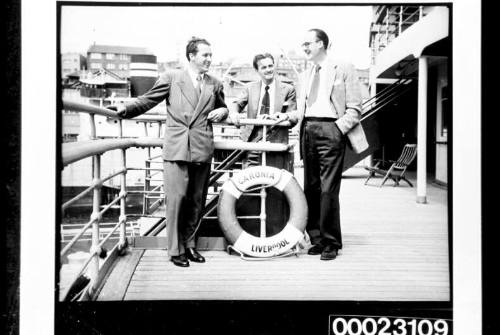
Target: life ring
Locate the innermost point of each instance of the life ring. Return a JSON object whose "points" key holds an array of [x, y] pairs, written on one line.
{"points": [[262, 246]]}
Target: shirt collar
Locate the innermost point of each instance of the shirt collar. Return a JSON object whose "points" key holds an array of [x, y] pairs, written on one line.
{"points": [[271, 85], [193, 75]]}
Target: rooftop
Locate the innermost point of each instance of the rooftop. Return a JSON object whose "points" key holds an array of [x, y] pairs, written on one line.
{"points": [[117, 49]]}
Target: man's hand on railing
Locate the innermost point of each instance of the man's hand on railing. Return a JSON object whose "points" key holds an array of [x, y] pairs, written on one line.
{"points": [[278, 117], [235, 118], [119, 109], [218, 114]]}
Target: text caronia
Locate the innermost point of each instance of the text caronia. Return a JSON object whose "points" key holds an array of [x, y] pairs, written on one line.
{"points": [[269, 248], [255, 174]]}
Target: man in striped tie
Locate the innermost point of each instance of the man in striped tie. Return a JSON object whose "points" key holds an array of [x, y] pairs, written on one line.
{"points": [[268, 97], [329, 113]]}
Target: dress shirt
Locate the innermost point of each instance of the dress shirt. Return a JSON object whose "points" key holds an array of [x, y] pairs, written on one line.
{"points": [[193, 75], [323, 106]]}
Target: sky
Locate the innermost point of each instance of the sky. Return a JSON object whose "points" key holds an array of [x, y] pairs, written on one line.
{"points": [[235, 33]]}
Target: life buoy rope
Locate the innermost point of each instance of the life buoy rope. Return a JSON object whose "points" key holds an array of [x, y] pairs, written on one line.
{"points": [[263, 247]]}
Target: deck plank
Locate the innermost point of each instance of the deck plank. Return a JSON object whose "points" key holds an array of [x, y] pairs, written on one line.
{"points": [[116, 285], [394, 250]]}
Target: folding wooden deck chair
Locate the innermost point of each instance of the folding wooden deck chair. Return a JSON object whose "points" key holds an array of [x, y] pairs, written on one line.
{"points": [[397, 169]]}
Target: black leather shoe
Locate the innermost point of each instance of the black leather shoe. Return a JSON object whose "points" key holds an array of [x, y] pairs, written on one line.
{"points": [[180, 260], [316, 249], [194, 256], [329, 253]]}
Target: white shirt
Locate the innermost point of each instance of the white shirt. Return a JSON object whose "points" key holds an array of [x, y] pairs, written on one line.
{"points": [[323, 106], [272, 89], [193, 75]]}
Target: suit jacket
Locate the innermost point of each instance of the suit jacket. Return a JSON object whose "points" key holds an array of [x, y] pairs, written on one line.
{"points": [[188, 133], [284, 101], [345, 95]]}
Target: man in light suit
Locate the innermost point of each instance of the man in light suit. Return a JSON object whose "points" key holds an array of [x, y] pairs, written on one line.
{"points": [[267, 98], [329, 113], [194, 100]]}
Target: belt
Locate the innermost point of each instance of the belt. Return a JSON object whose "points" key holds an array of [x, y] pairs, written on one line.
{"points": [[320, 119]]}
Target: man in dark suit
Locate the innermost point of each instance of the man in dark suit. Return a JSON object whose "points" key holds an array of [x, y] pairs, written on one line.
{"points": [[329, 112], [194, 100], [268, 97]]}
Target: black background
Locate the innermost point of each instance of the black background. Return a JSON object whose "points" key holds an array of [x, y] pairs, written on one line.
{"points": [[220, 317]]}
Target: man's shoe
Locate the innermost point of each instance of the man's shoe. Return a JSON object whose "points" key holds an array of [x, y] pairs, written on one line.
{"points": [[194, 256], [329, 253], [316, 249], [180, 260]]}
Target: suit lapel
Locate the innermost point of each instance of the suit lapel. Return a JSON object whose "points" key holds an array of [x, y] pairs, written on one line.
{"points": [[255, 94], [206, 93], [187, 88], [279, 96], [330, 74]]}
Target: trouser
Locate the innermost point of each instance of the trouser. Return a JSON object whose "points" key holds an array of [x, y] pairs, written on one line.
{"points": [[323, 149], [185, 186]]}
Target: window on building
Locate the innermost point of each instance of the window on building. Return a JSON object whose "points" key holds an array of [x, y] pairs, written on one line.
{"points": [[95, 65], [123, 57], [110, 56], [95, 55], [110, 66], [123, 66]]}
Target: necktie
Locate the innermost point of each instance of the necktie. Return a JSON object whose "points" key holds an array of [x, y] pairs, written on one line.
{"points": [[198, 84], [265, 102], [313, 92]]}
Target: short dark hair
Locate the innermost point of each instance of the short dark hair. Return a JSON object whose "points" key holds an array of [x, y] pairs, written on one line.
{"points": [[322, 36], [259, 57], [192, 46]]}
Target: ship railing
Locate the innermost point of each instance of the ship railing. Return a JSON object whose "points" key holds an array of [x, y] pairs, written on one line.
{"points": [[94, 148]]}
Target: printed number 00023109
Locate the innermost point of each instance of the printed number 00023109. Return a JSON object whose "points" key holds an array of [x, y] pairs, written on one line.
{"points": [[366, 325]]}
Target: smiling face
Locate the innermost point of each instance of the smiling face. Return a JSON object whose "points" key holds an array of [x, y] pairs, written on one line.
{"points": [[313, 48], [202, 59], [265, 69]]}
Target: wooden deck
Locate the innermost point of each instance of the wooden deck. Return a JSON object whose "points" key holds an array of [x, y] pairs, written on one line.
{"points": [[394, 250]]}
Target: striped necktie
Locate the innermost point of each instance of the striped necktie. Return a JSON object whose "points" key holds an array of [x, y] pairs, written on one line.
{"points": [[265, 101]]}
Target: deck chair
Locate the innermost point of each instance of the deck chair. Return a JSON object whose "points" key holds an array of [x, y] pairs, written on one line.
{"points": [[397, 169]]}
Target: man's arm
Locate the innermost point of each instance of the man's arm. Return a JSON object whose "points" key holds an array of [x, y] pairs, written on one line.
{"points": [[238, 106], [145, 102], [289, 108], [220, 111], [353, 100], [291, 101]]}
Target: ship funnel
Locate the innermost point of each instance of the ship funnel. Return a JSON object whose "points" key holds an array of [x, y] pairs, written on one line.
{"points": [[143, 73]]}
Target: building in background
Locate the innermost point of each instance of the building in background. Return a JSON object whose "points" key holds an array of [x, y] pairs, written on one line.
{"points": [[72, 62], [102, 84], [114, 58]]}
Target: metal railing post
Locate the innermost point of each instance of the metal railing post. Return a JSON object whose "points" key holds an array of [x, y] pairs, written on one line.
{"points": [[95, 250], [123, 193], [263, 193], [147, 176], [123, 200], [92, 126], [400, 19], [387, 27]]}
